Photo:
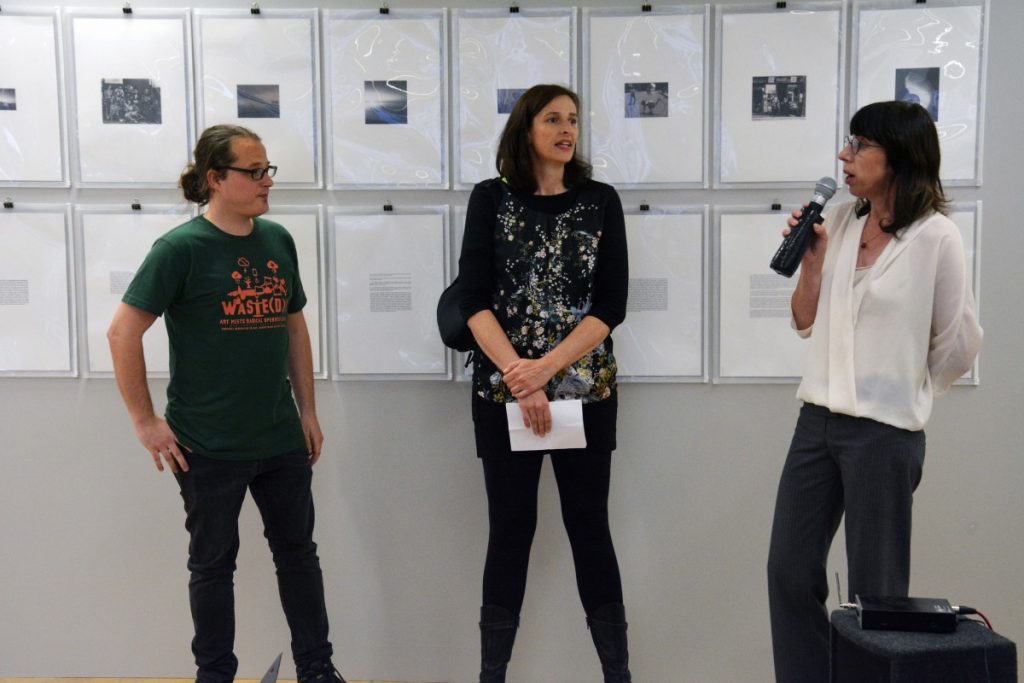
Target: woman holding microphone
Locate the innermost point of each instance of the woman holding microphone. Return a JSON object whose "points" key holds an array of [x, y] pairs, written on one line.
{"points": [[884, 298]]}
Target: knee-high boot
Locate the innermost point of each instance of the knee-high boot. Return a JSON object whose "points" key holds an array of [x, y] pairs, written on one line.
{"points": [[497, 634], [608, 629]]}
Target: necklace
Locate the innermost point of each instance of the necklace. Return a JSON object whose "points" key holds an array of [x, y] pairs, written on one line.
{"points": [[864, 243], [881, 223]]}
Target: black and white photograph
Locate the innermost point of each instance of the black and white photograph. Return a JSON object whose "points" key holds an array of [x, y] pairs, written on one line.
{"points": [[507, 98], [259, 101], [130, 100], [779, 97], [386, 102], [645, 100], [645, 84], [8, 102], [919, 85]]}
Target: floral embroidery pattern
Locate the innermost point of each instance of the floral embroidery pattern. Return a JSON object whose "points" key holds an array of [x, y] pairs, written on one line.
{"points": [[545, 267]]}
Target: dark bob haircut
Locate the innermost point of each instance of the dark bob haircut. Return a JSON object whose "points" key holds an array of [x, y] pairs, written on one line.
{"points": [[213, 153], [515, 162], [906, 132]]}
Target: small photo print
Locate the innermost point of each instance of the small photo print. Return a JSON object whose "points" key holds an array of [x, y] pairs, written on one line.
{"points": [[920, 86], [646, 100], [259, 101], [386, 102], [130, 100], [776, 97], [8, 102], [507, 98]]}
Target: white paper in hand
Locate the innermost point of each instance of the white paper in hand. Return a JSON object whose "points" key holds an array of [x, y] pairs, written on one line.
{"points": [[566, 428]]}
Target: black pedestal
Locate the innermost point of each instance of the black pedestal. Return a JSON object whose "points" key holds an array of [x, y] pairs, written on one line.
{"points": [[971, 654]]}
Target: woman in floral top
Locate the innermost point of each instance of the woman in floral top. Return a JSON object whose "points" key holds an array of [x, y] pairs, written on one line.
{"points": [[545, 274]]}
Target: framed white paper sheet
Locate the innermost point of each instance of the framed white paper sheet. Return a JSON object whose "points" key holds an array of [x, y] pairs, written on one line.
{"points": [[463, 372], [500, 55], [754, 338], [388, 269], [131, 102], [31, 97], [386, 102], [645, 90], [662, 337], [932, 54], [967, 216], [262, 72], [303, 222], [114, 243], [779, 94], [36, 310]]}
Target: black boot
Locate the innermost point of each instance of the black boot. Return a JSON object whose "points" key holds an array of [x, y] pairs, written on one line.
{"points": [[608, 629], [497, 634]]}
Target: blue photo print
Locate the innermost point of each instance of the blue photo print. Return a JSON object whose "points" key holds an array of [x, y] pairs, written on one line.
{"points": [[8, 101], [507, 98], [259, 101], [921, 86], [386, 102]]}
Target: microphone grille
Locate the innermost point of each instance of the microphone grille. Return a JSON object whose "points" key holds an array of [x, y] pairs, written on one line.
{"points": [[826, 187]]}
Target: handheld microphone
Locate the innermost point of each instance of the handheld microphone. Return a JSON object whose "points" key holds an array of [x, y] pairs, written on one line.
{"points": [[787, 258]]}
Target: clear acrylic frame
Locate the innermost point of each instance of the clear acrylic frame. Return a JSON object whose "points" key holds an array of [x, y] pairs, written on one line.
{"points": [[33, 132], [387, 122], [663, 338], [967, 216], [305, 223], [131, 103], [778, 93], [262, 71], [645, 76], [113, 240], [499, 55], [387, 269], [933, 54], [753, 339], [37, 292]]}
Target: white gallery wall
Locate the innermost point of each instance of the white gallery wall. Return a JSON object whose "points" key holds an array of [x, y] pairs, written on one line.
{"points": [[93, 548]]}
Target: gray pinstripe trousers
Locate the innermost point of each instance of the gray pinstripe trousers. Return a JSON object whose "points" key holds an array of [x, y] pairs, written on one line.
{"points": [[837, 464]]}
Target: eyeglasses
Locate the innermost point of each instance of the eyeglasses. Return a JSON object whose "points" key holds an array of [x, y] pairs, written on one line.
{"points": [[254, 173], [856, 144]]}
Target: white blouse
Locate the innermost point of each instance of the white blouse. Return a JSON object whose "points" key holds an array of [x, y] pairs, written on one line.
{"points": [[884, 349]]}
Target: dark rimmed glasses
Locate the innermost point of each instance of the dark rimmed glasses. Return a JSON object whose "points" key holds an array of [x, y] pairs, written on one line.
{"points": [[856, 144], [254, 173]]}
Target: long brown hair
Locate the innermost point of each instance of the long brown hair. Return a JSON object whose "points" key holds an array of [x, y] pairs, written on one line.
{"points": [[213, 152], [515, 162], [906, 132]]}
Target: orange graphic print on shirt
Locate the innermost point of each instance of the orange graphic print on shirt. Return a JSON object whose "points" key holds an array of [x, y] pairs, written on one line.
{"points": [[258, 301]]}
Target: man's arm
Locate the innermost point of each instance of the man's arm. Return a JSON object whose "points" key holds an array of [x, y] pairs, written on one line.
{"points": [[300, 372], [153, 432]]}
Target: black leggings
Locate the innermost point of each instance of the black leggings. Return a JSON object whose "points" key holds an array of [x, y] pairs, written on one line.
{"points": [[583, 477]]}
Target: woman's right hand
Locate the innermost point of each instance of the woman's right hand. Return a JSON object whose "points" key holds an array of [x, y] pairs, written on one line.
{"points": [[804, 303], [814, 258], [536, 413]]}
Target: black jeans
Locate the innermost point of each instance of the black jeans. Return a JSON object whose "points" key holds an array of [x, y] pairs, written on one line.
{"points": [[213, 491], [837, 465]]}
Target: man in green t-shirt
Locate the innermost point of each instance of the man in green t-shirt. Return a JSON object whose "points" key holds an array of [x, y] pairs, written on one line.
{"points": [[227, 284]]}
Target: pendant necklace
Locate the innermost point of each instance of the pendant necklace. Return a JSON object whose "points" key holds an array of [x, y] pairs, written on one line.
{"points": [[864, 243], [881, 222]]}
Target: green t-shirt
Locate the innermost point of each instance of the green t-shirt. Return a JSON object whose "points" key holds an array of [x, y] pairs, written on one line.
{"points": [[225, 300]]}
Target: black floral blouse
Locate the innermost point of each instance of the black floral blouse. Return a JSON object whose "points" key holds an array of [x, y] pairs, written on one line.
{"points": [[542, 263]]}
